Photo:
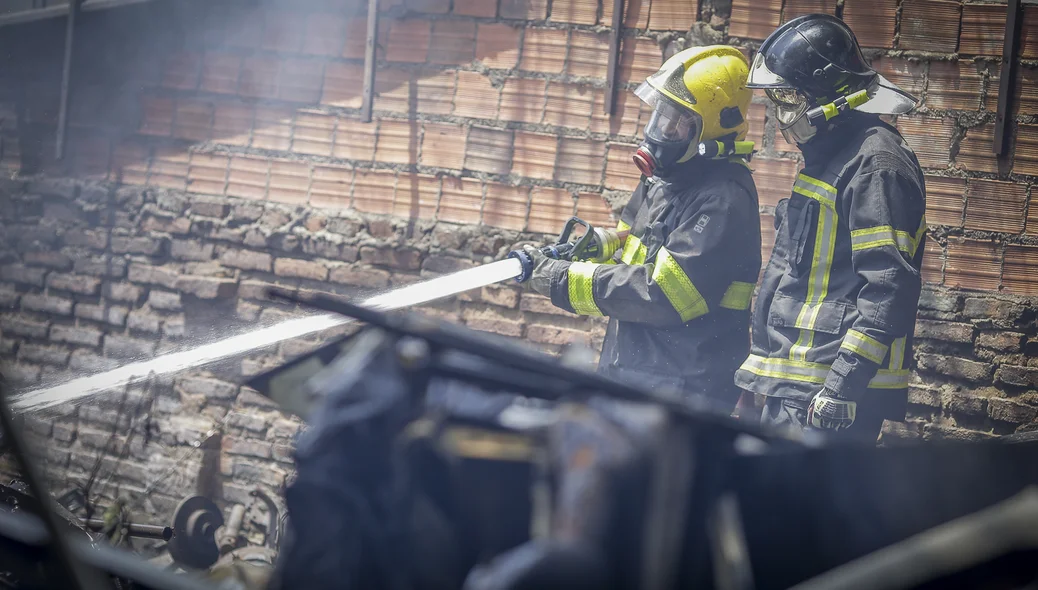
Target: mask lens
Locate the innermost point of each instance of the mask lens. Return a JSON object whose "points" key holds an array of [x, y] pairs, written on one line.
{"points": [[670, 123], [787, 115], [787, 97]]}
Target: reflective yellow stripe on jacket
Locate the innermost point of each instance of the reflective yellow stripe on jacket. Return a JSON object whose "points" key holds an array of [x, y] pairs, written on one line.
{"points": [[738, 296], [885, 235], [678, 288], [815, 373], [581, 288], [865, 346], [821, 261]]}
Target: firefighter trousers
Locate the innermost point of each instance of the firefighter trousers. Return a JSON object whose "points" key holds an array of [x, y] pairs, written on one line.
{"points": [[791, 414]]}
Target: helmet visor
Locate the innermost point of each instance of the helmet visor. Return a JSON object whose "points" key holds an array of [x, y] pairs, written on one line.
{"points": [[762, 77], [669, 122]]}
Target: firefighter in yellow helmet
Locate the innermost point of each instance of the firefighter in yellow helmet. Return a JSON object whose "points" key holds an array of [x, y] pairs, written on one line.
{"points": [[678, 295]]}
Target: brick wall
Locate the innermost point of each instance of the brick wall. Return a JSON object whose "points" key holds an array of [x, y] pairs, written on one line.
{"points": [[214, 150]]}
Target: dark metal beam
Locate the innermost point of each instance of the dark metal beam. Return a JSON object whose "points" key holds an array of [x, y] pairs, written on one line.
{"points": [[1005, 83], [66, 77], [369, 62], [615, 37], [37, 14]]}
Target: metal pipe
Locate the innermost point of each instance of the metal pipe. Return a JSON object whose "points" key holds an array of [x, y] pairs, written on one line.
{"points": [[142, 531], [1005, 82], [66, 77], [369, 62], [614, 56]]}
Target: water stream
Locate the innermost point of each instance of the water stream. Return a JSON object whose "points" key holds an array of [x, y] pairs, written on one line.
{"points": [[175, 362]]}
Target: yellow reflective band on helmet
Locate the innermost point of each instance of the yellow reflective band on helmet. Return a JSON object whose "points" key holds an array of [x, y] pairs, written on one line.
{"points": [[678, 288], [581, 288], [821, 261], [737, 296], [634, 251], [815, 373], [865, 346], [883, 235]]}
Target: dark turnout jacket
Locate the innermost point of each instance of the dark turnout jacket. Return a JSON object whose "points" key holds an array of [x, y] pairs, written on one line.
{"points": [[838, 300], [678, 298]]}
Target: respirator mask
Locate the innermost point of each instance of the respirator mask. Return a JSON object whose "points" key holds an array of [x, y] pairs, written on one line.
{"points": [[791, 108], [671, 136]]}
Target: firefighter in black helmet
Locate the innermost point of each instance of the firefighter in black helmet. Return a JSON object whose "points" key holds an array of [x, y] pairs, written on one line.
{"points": [[832, 329]]}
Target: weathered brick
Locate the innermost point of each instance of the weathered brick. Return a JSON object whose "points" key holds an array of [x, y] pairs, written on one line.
{"points": [[501, 296], [18, 273], [360, 276], [255, 473], [105, 266], [9, 298], [248, 421], [50, 259], [154, 275], [946, 331], [191, 250], [951, 433], [924, 397], [1005, 410], [535, 303], [96, 239], [1017, 375], [303, 269], [1003, 341], [246, 448], [491, 320], [251, 397], [445, 264], [164, 224], [22, 373], [85, 335], [257, 289], [116, 315], [47, 355], [246, 260], [142, 320], [547, 334], [47, 304], [164, 300], [986, 308], [208, 387], [128, 347], [394, 257], [22, 326], [174, 327], [956, 367], [83, 285], [963, 403], [207, 287], [123, 292], [283, 428], [137, 245], [90, 311], [209, 208]]}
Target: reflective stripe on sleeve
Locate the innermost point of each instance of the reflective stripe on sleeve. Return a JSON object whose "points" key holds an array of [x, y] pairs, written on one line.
{"points": [[634, 251], [678, 288], [815, 373], [883, 235], [581, 295], [622, 225], [821, 261], [865, 346], [897, 354], [737, 296]]}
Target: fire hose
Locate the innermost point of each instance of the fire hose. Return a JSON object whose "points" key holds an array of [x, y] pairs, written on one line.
{"points": [[595, 244]]}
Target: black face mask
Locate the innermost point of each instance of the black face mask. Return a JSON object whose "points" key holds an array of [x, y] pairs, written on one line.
{"points": [[658, 158]]}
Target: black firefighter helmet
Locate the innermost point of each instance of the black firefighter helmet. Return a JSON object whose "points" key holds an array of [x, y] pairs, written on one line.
{"points": [[813, 69]]}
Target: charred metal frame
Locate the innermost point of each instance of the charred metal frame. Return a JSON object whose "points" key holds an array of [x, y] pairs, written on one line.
{"points": [[66, 76], [615, 37], [1005, 83], [369, 62]]}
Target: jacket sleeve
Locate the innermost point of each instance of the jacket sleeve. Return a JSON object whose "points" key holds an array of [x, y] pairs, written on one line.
{"points": [[688, 278], [885, 211]]}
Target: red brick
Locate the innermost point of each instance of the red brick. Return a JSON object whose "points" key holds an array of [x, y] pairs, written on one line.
{"points": [[544, 50], [549, 334], [259, 77], [873, 21], [506, 206], [1021, 268], [360, 276], [453, 42], [313, 133], [523, 100], [356, 36], [975, 150], [194, 120], [157, 116], [300, 80], [930, 25], [944, 200], [247, 32], [182, 71], [273, 129], [429, 6], [983, 28], [1029, 33], [627, 109], [754, 19], [206, 287], [478, 8], [588, 54], [620, 171], [592, 208], [1025, 90], [436, 92], [232, 123], [955, 85], [933, 263], [408, 40], [284, 31], [673, 15], [169, 169], [331, 186], [795, 8], [397, 141], [416, 196], [302, 269], [497, 44], [1025, 150], [341, 87], [220, 73], [247, 177], [534, 155], [523, 9], [475, 97], [534, 303], [289, 182], [973, 264], [489, 150], [461, 200], [443, 145], [392, 256], [549, 210], [756, 117], [208, 173], [639, 59], [909, 75], [580, 12], [774, 179], [89, 156], [580, 161], [568, 105], [930, 138], [373, 191], [325, 34], [636, 14], [355, 140], [996, 206]]}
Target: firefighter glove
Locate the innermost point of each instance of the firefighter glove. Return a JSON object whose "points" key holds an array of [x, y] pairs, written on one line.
{"points": [[540, 278], [829, 411]]}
